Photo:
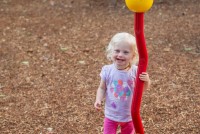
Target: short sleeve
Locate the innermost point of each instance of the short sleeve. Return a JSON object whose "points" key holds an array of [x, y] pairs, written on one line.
{"points": [[103, 73], [134, 71]]}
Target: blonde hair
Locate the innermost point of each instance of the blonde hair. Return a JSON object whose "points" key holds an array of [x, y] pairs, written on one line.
{"points": [[122, 37]]}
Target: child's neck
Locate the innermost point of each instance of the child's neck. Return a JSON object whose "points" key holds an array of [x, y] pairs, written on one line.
{"points": [[123, 68]]}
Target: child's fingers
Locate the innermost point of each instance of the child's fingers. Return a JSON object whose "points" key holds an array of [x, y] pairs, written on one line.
{"points": [[97, 106], [142, 79], [145, 73], [144, 76]]}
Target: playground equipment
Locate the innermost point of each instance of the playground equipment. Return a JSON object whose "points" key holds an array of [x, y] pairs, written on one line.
{"points": [[139, 7]]}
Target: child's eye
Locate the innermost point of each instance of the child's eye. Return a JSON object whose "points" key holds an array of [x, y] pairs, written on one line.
{"points": [[126, 52], [117, 51]]}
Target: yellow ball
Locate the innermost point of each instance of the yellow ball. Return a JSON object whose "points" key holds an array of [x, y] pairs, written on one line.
{"points": [[139, 5]]}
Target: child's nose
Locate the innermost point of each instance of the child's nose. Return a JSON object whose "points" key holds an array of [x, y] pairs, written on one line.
{"points": [[121, 54]]}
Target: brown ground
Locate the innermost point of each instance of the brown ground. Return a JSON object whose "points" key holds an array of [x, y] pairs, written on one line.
{"points": [[52, 51]]}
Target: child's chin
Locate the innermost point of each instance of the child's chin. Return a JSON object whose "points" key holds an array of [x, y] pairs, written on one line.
{"points": [[120, 63]]}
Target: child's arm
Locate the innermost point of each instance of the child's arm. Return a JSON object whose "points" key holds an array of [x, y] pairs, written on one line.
{"points": [[100, 95], [145, 77]]}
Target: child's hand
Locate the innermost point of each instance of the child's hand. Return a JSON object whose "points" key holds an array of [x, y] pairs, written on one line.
{"points": [[97, 105], [144, 76]]}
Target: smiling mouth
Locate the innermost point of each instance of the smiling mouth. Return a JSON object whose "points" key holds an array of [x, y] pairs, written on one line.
{"points": [[120, 59]]}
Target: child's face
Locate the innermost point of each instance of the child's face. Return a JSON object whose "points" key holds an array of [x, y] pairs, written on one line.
{"points": [[122, 55]]}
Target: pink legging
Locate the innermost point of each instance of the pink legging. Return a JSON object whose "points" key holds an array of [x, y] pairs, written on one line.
{"points": [[110, 127]]}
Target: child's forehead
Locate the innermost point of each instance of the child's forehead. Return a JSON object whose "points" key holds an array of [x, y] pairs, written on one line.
{"points": [[123, 44]]}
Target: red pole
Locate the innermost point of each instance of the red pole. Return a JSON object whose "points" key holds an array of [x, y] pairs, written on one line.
{"points": [[142, 66]]}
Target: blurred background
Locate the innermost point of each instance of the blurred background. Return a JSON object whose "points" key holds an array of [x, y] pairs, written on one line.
{"points": [[52, 51]]}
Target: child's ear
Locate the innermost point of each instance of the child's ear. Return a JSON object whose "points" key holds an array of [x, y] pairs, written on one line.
{"points": [[133, 56]]}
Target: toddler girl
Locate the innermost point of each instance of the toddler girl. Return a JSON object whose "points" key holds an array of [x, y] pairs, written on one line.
{"points": [[117, 84]]}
